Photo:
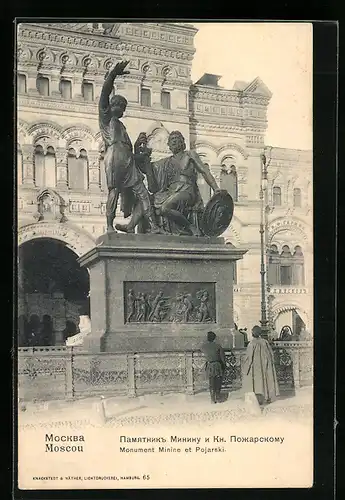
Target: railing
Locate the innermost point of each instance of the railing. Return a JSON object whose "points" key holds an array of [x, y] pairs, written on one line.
{"points": [[46, 373]]}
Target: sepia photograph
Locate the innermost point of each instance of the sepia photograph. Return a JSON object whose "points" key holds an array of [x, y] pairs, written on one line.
{"points": [[165, 254]]}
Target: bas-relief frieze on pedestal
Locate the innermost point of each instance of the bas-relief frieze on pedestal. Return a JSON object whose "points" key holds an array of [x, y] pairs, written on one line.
{"points": [[166, 302]]}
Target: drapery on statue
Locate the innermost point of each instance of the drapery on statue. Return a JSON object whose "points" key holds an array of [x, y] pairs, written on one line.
{"points": [[119, 161], [173, 184]]}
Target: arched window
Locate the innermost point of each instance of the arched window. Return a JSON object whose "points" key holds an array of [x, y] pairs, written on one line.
{"points": [[165, 100], [277, 196], [145, 97], [297, 197], [39, 166], [66, 89], [285, 269], [77, 169], [50, 168], [204, 188], [45, 167], [87, 91], [19, 166], [42, 84], [228, 180], [21, 83], [285, 266]]}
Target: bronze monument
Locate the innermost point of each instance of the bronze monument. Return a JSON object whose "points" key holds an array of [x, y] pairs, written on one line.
{"points": [[174, 204]]}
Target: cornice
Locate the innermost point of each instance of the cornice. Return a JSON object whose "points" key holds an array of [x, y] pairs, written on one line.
{"points": [[203, 93], [281, 155], [87, 108], [170, 33], [235, 126], [113, 48]]}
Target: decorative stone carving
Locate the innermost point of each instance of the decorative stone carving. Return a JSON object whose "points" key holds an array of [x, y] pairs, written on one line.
{"points": [[61, 167], [45, 58], [282, 224], [28, 163], [50, 206], [23, 53], [75, 239], [44, 129], [94, 170], [164, 302], [39, 32], [89, 64], [81, 136]]}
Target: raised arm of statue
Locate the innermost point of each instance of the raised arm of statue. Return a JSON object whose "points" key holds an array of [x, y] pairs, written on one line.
{"points": [[204, 171], [108, 85]]}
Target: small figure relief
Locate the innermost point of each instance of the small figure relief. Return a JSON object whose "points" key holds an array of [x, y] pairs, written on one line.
{"points": [[47, 204], [177, 309], [130, 305], [159, 308], [204, 314], [187, 307], [143, 307]]}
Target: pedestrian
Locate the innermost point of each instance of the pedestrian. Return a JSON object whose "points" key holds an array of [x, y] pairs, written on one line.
{"points": [[215, 365], [259, 373]]}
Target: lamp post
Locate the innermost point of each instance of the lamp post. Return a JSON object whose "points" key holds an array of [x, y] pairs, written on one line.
{"points": [[263, 245]]}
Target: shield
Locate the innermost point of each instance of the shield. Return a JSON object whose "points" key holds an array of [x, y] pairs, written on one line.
{"points": [[217, 214]]}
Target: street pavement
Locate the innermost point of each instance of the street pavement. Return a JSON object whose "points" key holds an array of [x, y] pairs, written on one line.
{"points": [[154, 409]]}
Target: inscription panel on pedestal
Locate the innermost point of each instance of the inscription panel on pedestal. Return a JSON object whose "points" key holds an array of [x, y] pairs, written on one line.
{"points": [[169, 302]]}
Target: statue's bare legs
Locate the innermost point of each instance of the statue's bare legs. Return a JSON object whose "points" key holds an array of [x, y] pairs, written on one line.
{"points": [[113, 197], [142, 208]]}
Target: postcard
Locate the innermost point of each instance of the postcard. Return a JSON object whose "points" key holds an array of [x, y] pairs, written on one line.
{"points": [[165, 246]]}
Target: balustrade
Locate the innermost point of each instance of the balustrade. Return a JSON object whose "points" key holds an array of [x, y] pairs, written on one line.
{"points": [[68, 372]]}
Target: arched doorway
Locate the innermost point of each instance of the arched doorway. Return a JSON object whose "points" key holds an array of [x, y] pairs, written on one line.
{"points": [[53, 292], [293, 318]]}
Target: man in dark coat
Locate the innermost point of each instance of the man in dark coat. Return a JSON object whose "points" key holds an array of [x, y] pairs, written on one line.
{"points": [[215, 365], [259, 373]]}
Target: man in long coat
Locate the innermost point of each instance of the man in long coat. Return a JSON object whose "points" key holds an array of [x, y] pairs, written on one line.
{"points": [[259, 373]]}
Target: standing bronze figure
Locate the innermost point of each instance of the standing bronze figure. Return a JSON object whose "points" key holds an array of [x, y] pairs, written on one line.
{"points": [[121, 173]]}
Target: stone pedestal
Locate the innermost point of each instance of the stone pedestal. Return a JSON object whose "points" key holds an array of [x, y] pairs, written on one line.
{"points": [[181, 271]]}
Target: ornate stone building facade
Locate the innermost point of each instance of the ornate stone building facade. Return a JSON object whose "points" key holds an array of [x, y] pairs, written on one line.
{"points": [[60, 174]]}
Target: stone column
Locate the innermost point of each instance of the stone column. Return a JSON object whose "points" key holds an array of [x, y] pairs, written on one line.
{"points": [[156, 94], [28, 164], [31, 83], [76, 88], [98, 84], [55, 85], [61, 168], [94, 171]]}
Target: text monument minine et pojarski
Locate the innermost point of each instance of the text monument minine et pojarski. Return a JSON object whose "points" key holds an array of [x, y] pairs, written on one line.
{"points": [[161, 281]]}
